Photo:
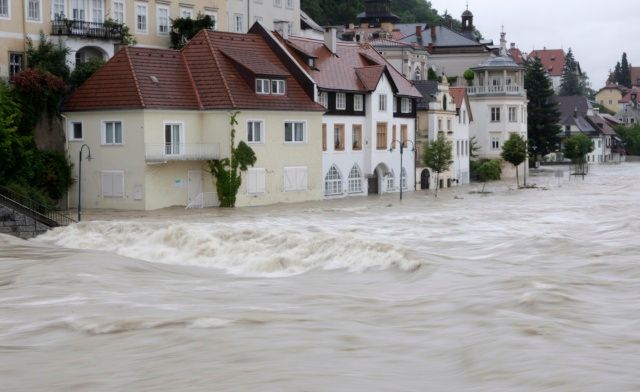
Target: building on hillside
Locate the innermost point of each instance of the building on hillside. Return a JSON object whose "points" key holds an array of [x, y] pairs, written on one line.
{"points": [[91, 29], [629, 111], [610, 96], [378, 13], [499, 105], [370, 110], [280, 15], [154, 117], [443, 110]]}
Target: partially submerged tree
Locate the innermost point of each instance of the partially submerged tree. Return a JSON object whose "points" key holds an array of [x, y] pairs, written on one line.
{"points": [[514, 151], [438, 156], [228, 171], [576, 149], [488, 170]]}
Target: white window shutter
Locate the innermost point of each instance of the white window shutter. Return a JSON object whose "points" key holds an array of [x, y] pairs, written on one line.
{"points": [[251, 181], [289, 178], [261, 181], [118, 184], [107, 184], [302, 178]]}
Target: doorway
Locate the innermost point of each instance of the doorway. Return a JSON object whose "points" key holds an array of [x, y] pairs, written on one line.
{"points": [[425, 179], [195, 185]]}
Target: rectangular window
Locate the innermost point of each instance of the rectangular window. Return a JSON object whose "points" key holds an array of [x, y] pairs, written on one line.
{"points": [[33, 10], [341, 101], [404, 133], [112, 182], [186, 13], [214, 17], [290, 28], [358, 103], [173, 139], [439, 125], [338, 137], [290, 4], [381, 136], [118, 11], [324, 137], [513, 114], [141, 18], [238, 23], [294, 132], [75, 131], [4, 9], [277, 3], [296, 178], [255, 131], [495, 142], [97, 11], [112, 132], [382, 102], [257, 19], [323, 99], [356, 137], [16, 64], [406, 105], [395, 105], [163, 20], [448, 125], [263, 86], [57, 9], [495, 114], [78, 9], [256, 181], [277, 87]]}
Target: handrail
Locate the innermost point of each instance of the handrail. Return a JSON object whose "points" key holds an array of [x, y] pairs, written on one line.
{"points": [[81, 28], [36, 210]]}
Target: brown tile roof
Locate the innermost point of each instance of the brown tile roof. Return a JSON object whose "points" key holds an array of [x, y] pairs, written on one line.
{"points": [[635, 76], [627, 97], [552, 59], [459, 94], [612, 86], [370, 76], [214, 71], [339, 72], [516, 55]]}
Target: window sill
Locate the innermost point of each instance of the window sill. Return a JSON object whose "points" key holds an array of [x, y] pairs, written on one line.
{"points": [[112, 145], [76, 140]]}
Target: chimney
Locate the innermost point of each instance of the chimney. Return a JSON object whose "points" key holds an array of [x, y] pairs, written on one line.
{"points": [[513, 45], [433, 33], [330, 39]]}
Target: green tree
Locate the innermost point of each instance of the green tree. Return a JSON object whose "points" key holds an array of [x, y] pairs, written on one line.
{"points": [[631, 138], [84, 71], [37, 92], [625, 71], [228, 171], [572, 82], [487, 170], [12, 144], [617, 74], [576, 149], [474, 147], [438, 156], [469, 75], [48, 57], [514, 151], [432, 75], [543, 112], [183, 29]]}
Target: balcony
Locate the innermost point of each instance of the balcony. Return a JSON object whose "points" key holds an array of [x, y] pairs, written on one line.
{"points": [[514, 90], [165, 152], [79, 28]]}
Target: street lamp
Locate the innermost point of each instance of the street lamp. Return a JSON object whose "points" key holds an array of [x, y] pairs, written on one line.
{"points": [[80, 176], [401, 152]]}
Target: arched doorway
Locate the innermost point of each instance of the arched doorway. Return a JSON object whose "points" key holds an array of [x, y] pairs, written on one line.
{"points": [[425, 179], [375, 180], [88, 53]]}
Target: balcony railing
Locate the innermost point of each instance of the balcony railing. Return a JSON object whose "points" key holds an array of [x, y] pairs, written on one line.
{"points": [[80, 28], [164, 152], [496, 90]]}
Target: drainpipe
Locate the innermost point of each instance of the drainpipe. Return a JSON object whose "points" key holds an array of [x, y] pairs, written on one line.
{"points": [[24, 30], [248, 14]]}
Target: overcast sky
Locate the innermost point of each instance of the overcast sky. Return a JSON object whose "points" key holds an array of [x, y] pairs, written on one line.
{"points": [[598, 32]]}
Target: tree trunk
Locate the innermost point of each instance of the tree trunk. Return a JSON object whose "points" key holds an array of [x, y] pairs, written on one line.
{"points": [[437, 183], [517, 179]]}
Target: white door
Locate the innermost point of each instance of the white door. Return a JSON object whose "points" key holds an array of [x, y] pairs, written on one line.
{"points": [[195, 184]]}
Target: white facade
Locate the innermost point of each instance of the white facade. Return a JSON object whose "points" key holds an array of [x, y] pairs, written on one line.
{"points": [[274, 14]]}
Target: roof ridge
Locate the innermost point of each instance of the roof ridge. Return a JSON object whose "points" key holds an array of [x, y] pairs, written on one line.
{"points": [[193, 83], [135, 76], [215, 59]]}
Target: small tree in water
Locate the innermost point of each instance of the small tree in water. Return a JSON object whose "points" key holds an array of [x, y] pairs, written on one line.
{"points": [[228, 171], [514, 151], [488, 170], [576, 148], [438, 156]]}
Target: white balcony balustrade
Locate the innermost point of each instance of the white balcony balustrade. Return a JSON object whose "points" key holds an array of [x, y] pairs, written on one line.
{"points": [[496, 90], [164, 152]]}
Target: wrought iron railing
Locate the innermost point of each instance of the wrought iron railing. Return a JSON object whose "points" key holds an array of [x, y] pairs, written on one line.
{"points": [[38, 211], [80, 28]]}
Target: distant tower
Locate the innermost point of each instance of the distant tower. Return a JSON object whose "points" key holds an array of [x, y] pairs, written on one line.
{"points": [[377, 13], [467, 23]]}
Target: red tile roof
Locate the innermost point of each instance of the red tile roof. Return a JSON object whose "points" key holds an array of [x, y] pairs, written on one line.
{"points": [[346, 70], [214, 70], [635, 76], [612, 86], [516, 55], [552, 59], [627, 98], [459, 94]]}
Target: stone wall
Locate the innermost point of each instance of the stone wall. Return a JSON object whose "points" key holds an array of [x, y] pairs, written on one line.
{"points": [[19, 225]]}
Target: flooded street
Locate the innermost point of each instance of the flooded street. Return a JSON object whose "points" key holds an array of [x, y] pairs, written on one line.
{"points": [[518, 290]]}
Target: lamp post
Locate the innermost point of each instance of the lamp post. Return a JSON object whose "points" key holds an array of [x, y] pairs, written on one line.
{"points": [[401, 153], [80, 176]]}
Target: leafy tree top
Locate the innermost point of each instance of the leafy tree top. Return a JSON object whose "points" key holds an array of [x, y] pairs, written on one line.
{"points": [[514, 150], [48, 57], [183, 29], [572, 81], [438, 154]]}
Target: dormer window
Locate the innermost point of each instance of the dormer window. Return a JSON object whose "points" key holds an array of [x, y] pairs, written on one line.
{"points": [[341, 101], [270, 86], [262, 86], [277, 87], [323, 99], [311, 62], [406, 105]]}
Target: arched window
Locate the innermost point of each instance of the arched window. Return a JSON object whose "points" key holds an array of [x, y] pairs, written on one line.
{"points": [[390, 181], [355, 180], [403, 178], [333, 182]]}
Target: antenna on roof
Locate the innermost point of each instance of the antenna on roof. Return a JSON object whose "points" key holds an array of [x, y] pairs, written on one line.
{"points": [[467, 5]]}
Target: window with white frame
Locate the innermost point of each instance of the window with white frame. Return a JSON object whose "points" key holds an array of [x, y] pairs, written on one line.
{"points": [[277, 3], [97, 11], [294, 132], [290, 28], [255, 131], [341, 101], [186, 12], [57, 9], [355, 180], [256, 181], [258, 19], [238, 24], [118, 10], [173, 139], [163, 19], [296, 178], [495, 114], [513, 114], [290, 4], [78, 8], [112, 182], [439, 125], [495, 142], [278, 87], [390, 180], [333, 182], [214, 17], [395, 105], [448, 125], [4, 9], [33, 10], [141, 18], [112, 132], [323, 99], [403, 178], [382, 102], [358, 102], [16, 63], [75, 131], [263, 86], [406, 105]]}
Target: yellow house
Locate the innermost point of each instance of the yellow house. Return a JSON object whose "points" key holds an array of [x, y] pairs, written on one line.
{"points": [[610, 95], [80, 25], [152, 118]]}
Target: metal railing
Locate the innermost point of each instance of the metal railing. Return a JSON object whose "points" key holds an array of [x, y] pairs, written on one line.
{"points": [[496, 90], [38, 211], [163, 152], [80, 28]]}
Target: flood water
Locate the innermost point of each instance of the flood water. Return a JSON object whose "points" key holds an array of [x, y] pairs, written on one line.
{"points": [[527, 290]]}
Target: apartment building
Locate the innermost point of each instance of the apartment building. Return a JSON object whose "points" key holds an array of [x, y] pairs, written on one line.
{"points": [[281, 15]]}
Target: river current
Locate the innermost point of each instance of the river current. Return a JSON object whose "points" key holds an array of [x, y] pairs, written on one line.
{"points": [[516, 290]]}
